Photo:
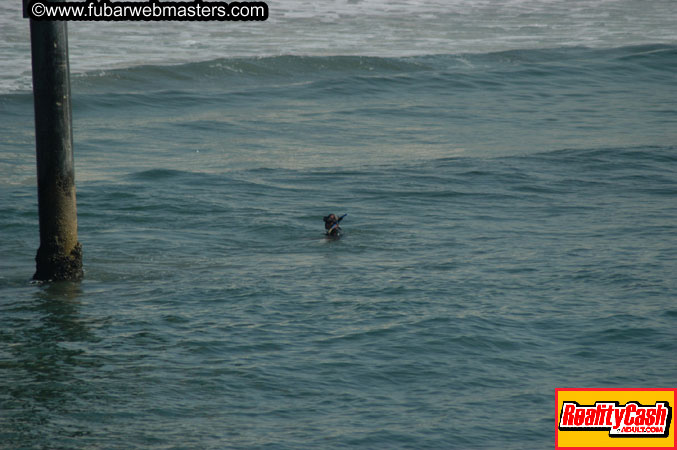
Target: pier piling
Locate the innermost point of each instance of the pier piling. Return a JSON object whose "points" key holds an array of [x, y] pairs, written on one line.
{"points": [[60, 254]]}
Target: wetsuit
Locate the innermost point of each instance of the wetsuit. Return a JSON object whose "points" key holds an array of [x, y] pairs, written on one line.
{"points": [[331, 225]]}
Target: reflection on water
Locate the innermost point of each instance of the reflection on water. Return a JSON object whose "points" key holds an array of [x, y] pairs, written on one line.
{"points": [[40, 358]]}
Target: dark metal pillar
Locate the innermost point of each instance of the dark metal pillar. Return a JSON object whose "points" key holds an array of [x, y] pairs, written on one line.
{"points": [[60, 254]]}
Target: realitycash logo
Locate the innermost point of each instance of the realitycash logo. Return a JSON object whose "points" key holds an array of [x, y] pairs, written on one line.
{"points": [[632, 419], [597, 418]]}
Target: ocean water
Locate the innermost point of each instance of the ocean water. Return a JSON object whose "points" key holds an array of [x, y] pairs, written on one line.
{"points": [[509, 170]]}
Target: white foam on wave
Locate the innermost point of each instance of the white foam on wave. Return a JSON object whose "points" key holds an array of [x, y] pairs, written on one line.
{"points": [[348, 27]]}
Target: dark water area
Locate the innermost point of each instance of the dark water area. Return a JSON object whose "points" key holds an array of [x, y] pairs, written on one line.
{"points": [[511, 229]]}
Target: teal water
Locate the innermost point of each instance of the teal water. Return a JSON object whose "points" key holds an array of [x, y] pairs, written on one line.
{"points": [[511, 230]]}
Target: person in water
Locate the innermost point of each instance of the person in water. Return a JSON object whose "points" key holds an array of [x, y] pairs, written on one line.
{"points": [[331, 224]]}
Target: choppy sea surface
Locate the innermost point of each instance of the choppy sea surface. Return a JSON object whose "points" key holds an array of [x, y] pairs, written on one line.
{"points": [[509, 170]]}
